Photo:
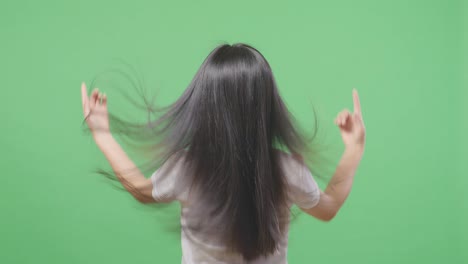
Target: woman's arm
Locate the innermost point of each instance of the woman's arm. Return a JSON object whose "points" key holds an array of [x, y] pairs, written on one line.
{"points": [[124, 168], [339, 186], [97, 119], [353, 133]]}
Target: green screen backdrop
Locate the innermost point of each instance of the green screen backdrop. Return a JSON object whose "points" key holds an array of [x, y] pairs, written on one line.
{"points": [[406, 58]]}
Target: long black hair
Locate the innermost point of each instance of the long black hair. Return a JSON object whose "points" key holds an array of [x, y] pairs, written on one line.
{"points": [[229, 126]]}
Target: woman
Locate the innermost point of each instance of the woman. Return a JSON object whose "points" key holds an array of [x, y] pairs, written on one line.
{"points": [[234, 160]]}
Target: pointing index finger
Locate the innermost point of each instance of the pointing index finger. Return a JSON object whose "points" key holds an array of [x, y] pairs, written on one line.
{"points": [[84, 96], [357, 103]]}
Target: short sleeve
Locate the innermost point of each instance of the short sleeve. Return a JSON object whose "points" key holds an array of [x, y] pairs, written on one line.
{"points": [[164, 182], [304, 190]]}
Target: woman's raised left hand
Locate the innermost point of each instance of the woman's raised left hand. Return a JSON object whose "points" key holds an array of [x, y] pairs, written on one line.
{"points": [[95, 110]]}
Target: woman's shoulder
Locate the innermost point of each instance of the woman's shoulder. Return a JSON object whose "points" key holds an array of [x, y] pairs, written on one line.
{"points": [[292, 164], [289, 157]]}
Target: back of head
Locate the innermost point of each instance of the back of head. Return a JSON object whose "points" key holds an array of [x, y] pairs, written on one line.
{"points": [[230, 120]]}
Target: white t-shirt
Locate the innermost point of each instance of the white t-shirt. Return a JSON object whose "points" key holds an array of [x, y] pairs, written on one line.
{"points": [[304, 192]]}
